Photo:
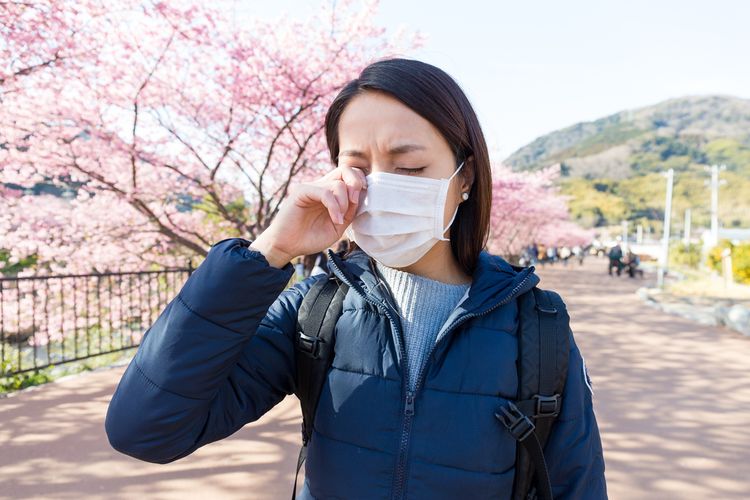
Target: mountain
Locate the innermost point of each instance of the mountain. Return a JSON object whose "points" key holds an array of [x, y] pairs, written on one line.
{"points": [[612, 167]]}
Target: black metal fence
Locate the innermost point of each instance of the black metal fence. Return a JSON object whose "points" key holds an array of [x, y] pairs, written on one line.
{"points": [[50, 320]]}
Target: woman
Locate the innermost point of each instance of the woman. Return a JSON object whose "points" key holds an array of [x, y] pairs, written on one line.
{"points": [[425, 349]]}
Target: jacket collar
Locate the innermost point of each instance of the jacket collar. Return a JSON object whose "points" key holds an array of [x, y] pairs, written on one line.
{"points": [[493, 282]]}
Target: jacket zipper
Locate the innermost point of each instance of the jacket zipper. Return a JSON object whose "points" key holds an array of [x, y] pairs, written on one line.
{"points": [[382, 305], [408, 412], [410, 396], [399, 476], [462, 319], [409, 409]]}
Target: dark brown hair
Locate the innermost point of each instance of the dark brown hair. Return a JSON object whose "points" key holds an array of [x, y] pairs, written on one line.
{"points": [[434, 95]]}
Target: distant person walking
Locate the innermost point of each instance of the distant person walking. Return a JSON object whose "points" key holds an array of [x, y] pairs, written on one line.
{"points": [[551, 254], [299, 269], [565, 254], [578, 253], [633, 262], [615, 259]]}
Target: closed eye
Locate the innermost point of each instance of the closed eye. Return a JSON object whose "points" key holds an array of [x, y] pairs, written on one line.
{"points": [[410, 171]]}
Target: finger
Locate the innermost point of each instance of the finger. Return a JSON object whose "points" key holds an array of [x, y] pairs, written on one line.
{"points": [[329, 201], [361, 173], [353, 179], [339, 190], [350, 213], [334, 174], [355, 182], [309, 195]]}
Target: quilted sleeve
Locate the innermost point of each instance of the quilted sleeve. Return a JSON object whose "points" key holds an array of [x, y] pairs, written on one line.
{"points": [[219, 355]]}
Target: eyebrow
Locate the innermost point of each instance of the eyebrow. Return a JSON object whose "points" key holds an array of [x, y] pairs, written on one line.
{"points": [[394, 151]]}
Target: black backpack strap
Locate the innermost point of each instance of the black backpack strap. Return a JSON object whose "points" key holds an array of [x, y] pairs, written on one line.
{"points": [[543, 346], [314, 341], [554, 346]]}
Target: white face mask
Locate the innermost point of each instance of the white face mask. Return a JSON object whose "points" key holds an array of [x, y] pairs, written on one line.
{"points": [[401, 217]]}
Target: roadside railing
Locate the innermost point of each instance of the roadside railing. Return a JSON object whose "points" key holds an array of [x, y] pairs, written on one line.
{"points": [[50, 320]]}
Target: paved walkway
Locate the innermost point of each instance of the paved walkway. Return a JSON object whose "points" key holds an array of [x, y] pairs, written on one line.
{"points": [[672, 400], [672, 397]]}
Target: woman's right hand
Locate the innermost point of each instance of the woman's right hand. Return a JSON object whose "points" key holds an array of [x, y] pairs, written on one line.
{"points": [[313, 216]]}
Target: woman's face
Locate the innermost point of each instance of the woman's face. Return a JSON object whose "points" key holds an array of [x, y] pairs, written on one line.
{"points": [[378, 133]]}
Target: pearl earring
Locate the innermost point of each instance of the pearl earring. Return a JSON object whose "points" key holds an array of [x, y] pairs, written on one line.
{"points": [[465, 196]]}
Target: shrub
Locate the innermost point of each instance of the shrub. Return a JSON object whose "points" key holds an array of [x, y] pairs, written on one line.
{"points": [[685, 255], [740, 260], [741, 263], [714, 255]]}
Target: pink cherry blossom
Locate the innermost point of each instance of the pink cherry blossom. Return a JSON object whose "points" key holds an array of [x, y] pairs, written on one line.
{"points": [[168, 125], [528, 208]]}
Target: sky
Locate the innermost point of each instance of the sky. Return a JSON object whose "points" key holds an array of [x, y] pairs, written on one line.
{"points": [[533, 67]]}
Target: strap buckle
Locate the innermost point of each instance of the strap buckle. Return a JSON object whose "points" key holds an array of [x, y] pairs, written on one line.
{"points": [[546, 310], [546, 406], [310, 345], [519, 425]]}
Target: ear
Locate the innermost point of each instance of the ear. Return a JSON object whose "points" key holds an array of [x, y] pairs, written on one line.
{"points": [[467, 175]]}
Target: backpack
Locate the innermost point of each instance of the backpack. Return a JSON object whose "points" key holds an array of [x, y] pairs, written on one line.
{"points": [[543, 347]]}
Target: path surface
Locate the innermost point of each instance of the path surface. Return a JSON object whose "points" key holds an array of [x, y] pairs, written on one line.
{"points": [[672, 400]]}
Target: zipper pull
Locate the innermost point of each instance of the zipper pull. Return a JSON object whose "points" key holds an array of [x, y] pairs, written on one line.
{"points": [[409, 409]]}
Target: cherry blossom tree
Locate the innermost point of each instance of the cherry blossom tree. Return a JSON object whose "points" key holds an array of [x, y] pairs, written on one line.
{"points": [[38, 35], [528, 208], [165, 125]]}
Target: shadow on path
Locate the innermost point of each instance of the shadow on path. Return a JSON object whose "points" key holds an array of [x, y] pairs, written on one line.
{"points": [[54, 446], [672, 397]]}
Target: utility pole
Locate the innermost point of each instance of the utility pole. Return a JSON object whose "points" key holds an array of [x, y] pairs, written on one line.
{"points": [[665, 238], [625, 235], [686, 229], [639, 234], [714, 237], [714, 204]]}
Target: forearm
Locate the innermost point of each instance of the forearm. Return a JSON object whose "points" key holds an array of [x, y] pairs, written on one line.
{"points": [[167, 394]]}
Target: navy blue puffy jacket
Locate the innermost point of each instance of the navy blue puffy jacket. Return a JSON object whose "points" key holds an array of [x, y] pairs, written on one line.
{"points": [[221, 355]]}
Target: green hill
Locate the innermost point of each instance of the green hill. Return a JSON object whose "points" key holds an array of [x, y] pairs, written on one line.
{"points": [[612, 166]]}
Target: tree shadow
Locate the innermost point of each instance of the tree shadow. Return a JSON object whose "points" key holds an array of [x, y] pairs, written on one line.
{"points": [[54, 445], [671, 396]]}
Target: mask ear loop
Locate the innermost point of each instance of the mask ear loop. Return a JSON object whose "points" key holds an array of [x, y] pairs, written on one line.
{"points": [[455, 213], [454, 173]]}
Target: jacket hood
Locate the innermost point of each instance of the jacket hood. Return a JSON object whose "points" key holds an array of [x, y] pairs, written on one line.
{"points": [[494, 280]]}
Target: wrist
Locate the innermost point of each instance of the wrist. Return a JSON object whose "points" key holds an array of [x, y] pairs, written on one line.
{"points": [[273, 255]]}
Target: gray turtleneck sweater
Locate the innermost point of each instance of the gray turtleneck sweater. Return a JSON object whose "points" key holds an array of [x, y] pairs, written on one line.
{"points": [[423, 305]]}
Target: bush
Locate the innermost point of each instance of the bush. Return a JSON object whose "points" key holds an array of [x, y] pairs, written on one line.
{"points": [[741, 263], [18, 381], [685, 255], [740, 259], [714, 255]]}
